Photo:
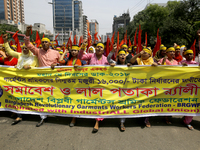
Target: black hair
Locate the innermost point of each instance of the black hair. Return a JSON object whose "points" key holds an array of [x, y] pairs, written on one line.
{"points": [[118, 62]]}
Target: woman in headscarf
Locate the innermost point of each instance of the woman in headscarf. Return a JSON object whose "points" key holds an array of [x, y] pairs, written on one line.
{"points": [[145, 59], [121, 60], [26, 60], [169, 58], [160, 54], [178, 56], [96, 58], [7, 59]]}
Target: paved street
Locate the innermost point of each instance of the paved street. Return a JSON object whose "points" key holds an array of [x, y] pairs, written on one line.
{"points": [[56, 134]]}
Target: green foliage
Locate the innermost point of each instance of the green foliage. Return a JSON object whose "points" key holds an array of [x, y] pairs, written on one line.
{"points": [[5, 27], [178, 23]]}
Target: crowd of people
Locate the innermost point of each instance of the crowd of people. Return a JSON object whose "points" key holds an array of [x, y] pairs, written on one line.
{"points": [[46, 55]]}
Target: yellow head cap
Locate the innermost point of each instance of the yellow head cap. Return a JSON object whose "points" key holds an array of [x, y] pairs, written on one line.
{"points": [[100, 44], [75, 48], [189, 51], [161, 45], [163, 48], [177, 47], [58, 48], [45, 39], [183, 46], [170, 49], [122, 52], [124, 46], [148, 51], [14, 46]]}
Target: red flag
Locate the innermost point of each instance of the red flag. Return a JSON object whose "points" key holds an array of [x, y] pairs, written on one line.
{"points": [[99, 37], [135, 38], [15, 37], [146, 39], [95, 37], [80, 41], [193, 48], [56, 38], [118, 40], [122, 42], [69, 42], [37, 41], [1, 39], [158, 43], [125, 38], [11, 43], [113, 38], [43, 35], [19, 48], [107, 46], [74, 40], [129, 43], [89, 41], [139, 39]]}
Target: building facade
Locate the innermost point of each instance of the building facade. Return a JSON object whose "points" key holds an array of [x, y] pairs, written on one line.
{"points": [[93, 28], [12, 10], [67, 19], [85, 27], [121, 21]]}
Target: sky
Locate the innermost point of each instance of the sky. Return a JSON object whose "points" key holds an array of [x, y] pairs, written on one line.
{"points": [[39, 11]]}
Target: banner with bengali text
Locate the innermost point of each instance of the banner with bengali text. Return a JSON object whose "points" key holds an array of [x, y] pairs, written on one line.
{"points": [[101, 91]]}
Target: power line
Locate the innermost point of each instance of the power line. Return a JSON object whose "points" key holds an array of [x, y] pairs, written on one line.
{"points": [[138, 4]]}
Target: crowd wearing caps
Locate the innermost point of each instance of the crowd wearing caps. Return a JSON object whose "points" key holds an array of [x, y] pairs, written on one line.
{"points": [[96, 57]]}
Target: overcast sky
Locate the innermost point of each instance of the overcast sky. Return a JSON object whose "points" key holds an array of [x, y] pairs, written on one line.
{"points": [[39, 11]]}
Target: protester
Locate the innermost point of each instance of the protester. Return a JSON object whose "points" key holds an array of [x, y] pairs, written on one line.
{"points": [[91, 49], [121, 60], [189, 55], [160, 54], [96, 58], [145, 59], [46, 57], [26, 60], [71, 61], [169, 59], [178, 56], [2, 54], [7, 59]]}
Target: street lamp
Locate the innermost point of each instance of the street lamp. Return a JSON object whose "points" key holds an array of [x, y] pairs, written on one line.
{"points": [[64, 6]]}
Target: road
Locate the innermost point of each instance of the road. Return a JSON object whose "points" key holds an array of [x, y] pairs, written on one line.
{"points": [[57, 135]]}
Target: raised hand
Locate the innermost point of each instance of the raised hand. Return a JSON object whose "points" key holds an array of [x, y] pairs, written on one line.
{"points": [[114, 48], [28, 29], [85, 42], [5, 38]]}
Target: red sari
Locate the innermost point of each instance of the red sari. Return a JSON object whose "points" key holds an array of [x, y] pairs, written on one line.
{"points": [[178, 58], [12, 62]]}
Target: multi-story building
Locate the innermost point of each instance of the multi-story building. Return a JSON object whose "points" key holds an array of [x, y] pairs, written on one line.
{"points": [[93, 28], [121, 21], [12, 10], [85, 26], [67, 18]]}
